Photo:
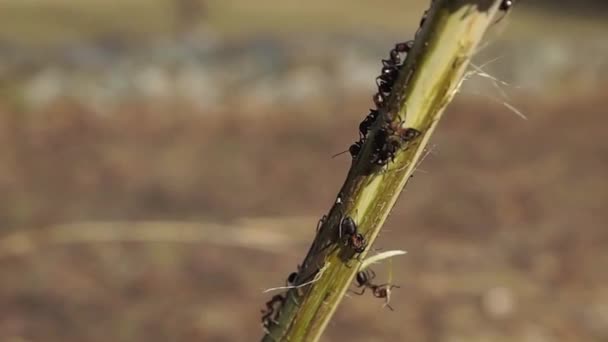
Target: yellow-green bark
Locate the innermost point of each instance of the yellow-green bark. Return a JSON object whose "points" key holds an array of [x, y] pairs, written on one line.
{"points": [[435, 67]]}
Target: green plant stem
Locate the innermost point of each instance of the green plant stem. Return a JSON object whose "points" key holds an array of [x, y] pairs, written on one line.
{"points": [[428, 81]]}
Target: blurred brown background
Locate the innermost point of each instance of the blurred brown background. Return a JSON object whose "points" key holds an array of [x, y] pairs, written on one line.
{"points": [[163, 162]]}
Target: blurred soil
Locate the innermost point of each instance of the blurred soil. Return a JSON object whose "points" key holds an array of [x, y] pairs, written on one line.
{"points": [[177, 223], [157, 174]]}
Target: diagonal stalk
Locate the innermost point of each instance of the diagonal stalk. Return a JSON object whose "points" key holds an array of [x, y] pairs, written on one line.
{"points": [[431, 76]]}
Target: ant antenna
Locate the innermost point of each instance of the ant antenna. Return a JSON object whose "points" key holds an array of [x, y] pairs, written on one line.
{"points": [[339, 154]]}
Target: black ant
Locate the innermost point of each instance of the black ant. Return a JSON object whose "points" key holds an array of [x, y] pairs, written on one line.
{"points": [[348, 233], [385, 147], [390, 69], [270, 315], [386, 143], [385, 83], [395, 54], [364, 281], [379, 143]]}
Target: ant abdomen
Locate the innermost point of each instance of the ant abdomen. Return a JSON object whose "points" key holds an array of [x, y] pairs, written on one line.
{"points": [[355, 149], [348, 233], [505, 5], [367, 123], [348, 227]]}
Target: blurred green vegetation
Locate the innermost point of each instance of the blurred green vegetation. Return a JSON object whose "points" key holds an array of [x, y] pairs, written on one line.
{"points": [[64, 21], [60, 21]]}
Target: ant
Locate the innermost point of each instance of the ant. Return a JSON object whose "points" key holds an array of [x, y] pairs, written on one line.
{"points": [[380, 141], [348, 233], [385, 146], [390, 69], [270, 315], [387, 143], [364, 281], [395, 54], [385, 83]]}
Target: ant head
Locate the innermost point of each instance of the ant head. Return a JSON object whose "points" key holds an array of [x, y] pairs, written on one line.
{"points": [[348, 227], [505, 5], [291, 280], [358, 242], [355, 148], [394, 59], [410, 134], [362, 278], [404, 47]]}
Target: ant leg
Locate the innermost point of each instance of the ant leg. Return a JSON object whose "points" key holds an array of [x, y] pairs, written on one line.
{"points": [[359, 293], [270, 306], [266, 319], [340, 228], [385, 285], [358, 259], [321, 222], [370, 274], [384, 291]]}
